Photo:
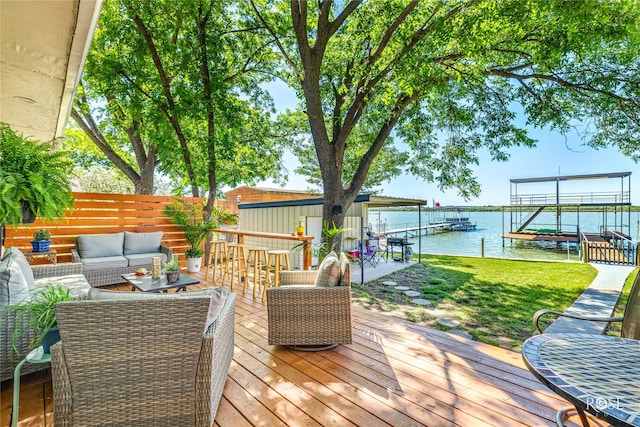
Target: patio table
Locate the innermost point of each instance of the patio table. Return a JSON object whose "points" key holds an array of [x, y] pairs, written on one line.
{"points": [[599, 374], [147, 284]]}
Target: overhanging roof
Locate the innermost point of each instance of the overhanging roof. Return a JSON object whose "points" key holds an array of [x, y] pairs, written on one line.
{"points": [[370, 200], [571, 177], [43, 46]]}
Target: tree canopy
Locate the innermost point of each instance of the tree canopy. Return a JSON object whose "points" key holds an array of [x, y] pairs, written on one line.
{"points": [[178, 85], [446, 77]]}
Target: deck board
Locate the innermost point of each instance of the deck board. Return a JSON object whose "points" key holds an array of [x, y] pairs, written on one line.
{"points": [[394, 373]]}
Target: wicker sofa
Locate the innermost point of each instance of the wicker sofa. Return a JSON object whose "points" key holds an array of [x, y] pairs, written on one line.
{"points": [[162, 359], [15, 273], [106, 257], [308, 311]]}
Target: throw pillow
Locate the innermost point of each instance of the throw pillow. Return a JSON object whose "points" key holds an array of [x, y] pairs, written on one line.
{"points": [[13, 285], [100, 245], [142, 243], [328, 272], [345, 270]]}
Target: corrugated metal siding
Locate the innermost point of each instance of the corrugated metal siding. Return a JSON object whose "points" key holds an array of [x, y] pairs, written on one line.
{"points": [[284, 220]]}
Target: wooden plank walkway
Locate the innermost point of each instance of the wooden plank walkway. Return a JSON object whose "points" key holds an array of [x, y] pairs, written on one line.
{"points": [[394, 374]]}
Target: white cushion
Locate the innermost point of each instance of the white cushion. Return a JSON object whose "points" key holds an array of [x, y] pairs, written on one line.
{"points": [[142, 243], [328, 271], [77, 283]]}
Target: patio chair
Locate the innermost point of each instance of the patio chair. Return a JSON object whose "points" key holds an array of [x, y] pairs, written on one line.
{"points": [[142, 359], [630, 320], [307, 312], [381, 253], [368, 255]]}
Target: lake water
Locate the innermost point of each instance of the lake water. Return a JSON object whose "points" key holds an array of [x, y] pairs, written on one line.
{"points": [[489, 226]]}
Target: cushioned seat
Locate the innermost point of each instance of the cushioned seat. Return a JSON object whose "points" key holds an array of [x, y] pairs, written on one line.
{"points": [[104, 262], [160, 359], [18, 281], [106, 257], [311, 310]]}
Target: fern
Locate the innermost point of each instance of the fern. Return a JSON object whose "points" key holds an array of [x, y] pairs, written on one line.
{"points": [[32, 175]]}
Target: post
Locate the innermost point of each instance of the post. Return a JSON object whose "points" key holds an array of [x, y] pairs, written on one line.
{"points": [[585, 248], [482, 246]]}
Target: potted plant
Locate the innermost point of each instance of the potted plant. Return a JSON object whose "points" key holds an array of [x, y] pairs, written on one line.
{"points": [[189, 218], [300, 226], [34, 179], [171, 269], [37, 314], [41, 241]]}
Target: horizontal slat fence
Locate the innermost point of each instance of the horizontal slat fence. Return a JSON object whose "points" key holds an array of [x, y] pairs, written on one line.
{"points": [[97, 213]]}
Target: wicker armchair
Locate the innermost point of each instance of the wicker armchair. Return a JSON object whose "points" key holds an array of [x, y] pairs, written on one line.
{"points": [[630, 321], [8, 318], [153, 362], [308, 317]]}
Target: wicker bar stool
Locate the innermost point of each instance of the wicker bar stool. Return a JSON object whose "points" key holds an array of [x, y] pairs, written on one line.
{"points": [[235, 264], [217, 253], [276, 259], [256, 260]]}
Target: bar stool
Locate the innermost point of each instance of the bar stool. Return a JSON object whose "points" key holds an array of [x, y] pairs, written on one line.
{"points": [[256, 260], [276, 257], [217, 253], [235, 264]]}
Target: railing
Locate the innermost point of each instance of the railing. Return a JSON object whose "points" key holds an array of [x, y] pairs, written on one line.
{"points": [[594, 198], [611, 247]]}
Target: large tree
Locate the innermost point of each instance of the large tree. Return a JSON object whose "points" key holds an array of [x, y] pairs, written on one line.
{"points": [[445, 77], [183, 79]]}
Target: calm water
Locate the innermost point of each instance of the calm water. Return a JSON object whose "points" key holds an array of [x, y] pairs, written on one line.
{"points": [[489, 226]]}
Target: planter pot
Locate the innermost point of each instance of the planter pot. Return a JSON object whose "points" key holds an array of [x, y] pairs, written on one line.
{"points": [[300, 230], [172, 276], [28, 216], [50, 337], [194, 264], [40, 245]]}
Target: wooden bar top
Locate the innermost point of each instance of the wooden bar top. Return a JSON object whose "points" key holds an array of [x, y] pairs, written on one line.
{"points": [[306, 240], [263, 234]]}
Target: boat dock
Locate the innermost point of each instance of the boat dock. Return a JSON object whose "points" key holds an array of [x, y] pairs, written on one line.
{"points": [[447, 224]]}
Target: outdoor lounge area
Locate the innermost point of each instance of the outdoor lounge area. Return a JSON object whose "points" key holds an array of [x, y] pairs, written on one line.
{"points": [[394, 373]]}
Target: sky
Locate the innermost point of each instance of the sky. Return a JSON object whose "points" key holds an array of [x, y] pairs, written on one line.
{"points": [[554, 154]]}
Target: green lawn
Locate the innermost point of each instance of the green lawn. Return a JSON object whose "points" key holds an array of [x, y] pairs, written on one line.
{"points": [[615, 328], [494, 299]]}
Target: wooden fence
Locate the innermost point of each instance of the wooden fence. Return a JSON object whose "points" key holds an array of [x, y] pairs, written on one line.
{"points": [[96, 213]]}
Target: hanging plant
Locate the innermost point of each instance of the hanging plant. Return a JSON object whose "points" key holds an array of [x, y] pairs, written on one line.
{"points": [[34, 180]]}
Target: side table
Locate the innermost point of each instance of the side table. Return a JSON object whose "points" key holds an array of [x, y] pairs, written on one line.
{"points": [[36, 355], [49, 255]]}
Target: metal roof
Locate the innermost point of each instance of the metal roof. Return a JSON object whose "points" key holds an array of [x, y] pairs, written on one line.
{"points": [[571, 177], [369, 199]]}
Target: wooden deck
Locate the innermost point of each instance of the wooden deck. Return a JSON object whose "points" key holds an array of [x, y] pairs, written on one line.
{"points": [[395, 373]]}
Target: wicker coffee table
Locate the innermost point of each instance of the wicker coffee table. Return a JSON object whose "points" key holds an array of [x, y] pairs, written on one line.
{"points": [[147, 284]]}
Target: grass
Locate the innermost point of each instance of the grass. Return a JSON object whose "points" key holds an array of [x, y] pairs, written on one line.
{"points": [[615, 328], [494, 299]]}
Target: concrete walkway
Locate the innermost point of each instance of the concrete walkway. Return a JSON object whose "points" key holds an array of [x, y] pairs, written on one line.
{"points": [[599, 300]]}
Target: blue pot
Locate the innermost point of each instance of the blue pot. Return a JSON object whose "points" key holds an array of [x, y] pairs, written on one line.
{"points": [[50, 337], [40, 245]]}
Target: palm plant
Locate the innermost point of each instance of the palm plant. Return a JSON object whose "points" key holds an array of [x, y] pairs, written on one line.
{"points": [[189, 218], [37, 314]]}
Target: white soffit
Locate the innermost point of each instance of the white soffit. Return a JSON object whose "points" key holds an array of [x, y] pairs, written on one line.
{"points": [[43, 45]]}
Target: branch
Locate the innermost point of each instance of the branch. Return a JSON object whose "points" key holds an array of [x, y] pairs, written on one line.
{"points": [[280, 46]]}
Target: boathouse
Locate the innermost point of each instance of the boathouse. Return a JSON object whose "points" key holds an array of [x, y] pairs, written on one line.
{"points": [[607, 193], [283, 215]]}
